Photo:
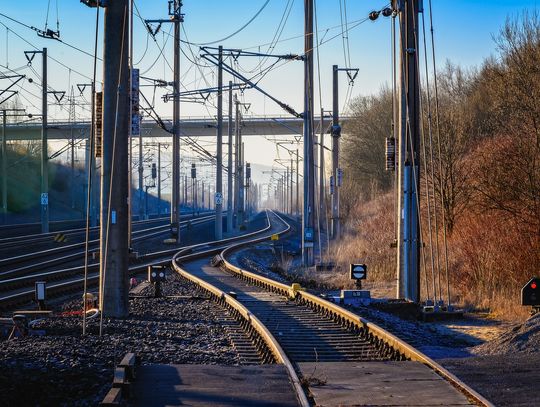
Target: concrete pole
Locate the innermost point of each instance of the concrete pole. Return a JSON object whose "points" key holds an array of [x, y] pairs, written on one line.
{"points": [[95, 190], [237, 163], [114, 275], [242, 182], [230, 165], [409, 142], [218, 201], [72, 146], [309, 178], [287, 191], [130, 135], [185, 190], [291, 205], [159, 179], [175, 198], [202, 195], [297, 183], [336, 134], [44, 151], [322, 214], [4, 167]]}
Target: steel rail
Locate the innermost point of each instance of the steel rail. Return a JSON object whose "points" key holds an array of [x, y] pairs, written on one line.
{"points": [[8, 242], [57, 274], [162, 257], [348, 318], [271, 343], [29, 257]]}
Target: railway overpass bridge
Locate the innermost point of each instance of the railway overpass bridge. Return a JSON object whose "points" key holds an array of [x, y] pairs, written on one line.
{"points": [[190, 127]]}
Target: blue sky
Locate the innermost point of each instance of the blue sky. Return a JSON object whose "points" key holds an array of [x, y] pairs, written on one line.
{"points": [[464, 33]]}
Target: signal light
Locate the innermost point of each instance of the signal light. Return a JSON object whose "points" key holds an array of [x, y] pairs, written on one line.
{"points": [[533, 285]]}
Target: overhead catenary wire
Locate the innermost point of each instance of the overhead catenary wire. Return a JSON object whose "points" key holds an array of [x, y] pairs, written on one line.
{"points": [[35, 29], [236, 32]]}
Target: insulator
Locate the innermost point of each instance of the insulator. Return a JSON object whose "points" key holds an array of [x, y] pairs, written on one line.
{"points": [[154, 171], [387, 12], [390, 154], [248, 171], [193, 171], [373, 15]]}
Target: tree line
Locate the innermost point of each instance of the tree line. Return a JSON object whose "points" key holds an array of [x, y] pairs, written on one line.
{"points": [[486, 129]]}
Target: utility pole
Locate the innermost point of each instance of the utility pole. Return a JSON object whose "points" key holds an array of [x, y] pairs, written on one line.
{"points": [[218, 199], [140, 170], [236, 160], [93, 179], [159, 179], [175, 201], [72, 142], [114, 240], [336, 134], [230, 165], [297, 183], [176, 17], [287, 190], [44, 150], [90, 161], [291, 205], [409, 142], [322, 215], [309, 178], [4, 166], [242, 183]]}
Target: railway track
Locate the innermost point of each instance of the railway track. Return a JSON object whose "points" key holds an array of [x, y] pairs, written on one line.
{"points": [[298, 329], [19, 290], [45, 260], [21, 230], [7, 244]]}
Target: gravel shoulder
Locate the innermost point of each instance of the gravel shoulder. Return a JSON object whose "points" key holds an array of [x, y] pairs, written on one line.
{"points": [[65, 368]]}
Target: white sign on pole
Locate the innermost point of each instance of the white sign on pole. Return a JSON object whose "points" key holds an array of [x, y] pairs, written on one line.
{"points": [[218, 198], [339, 177], [135, 115], [358, 271]]}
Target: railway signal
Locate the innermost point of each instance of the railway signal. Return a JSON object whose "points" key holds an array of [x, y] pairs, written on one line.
{"points": [[156, 275], [530, 294], [358, 272], [40, 294]]}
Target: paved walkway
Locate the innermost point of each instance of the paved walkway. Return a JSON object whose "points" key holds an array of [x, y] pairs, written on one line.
{"points": [[213, 385], [379, 384]]}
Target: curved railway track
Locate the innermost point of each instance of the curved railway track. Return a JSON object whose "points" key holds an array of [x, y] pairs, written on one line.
{"points": [[18, 290], [292, 326], [16, 241], [22, 230], [44, 260]]}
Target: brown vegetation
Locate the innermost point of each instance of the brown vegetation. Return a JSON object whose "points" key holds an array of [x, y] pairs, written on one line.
{"points": [[486, 169]]}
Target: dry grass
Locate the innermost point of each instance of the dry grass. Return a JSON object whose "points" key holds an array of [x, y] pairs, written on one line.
{"points": [[369, 234], [490, 259]]}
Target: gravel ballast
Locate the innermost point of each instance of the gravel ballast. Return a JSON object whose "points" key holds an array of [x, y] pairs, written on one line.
{"points": [[65, 368]]}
